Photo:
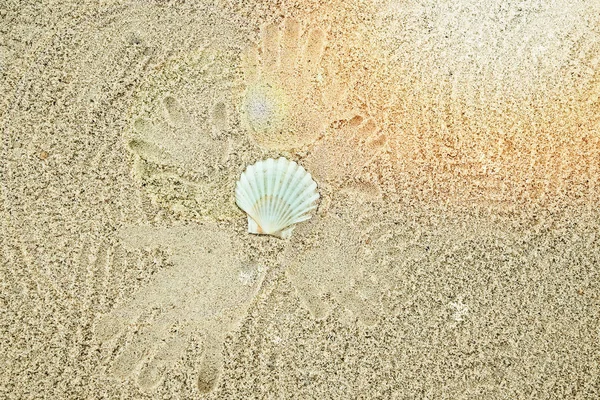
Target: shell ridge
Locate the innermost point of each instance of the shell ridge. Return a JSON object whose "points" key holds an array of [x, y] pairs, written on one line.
{"points": [[261, 185], [247, 178], [248, 206], [247, 183], [289, 171], [274, 178], [283, 217], [273, 198], [245, 192], [278, 177], [304, 206], [260, 190], [282, 167], [296, 188], [264, 200], [302, 186], [242, 198], [279, 221], [245, 195], [303, 218], [267, 189], [293, 190], [298, 217]]}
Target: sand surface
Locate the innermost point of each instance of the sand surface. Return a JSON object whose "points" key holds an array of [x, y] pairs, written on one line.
{"points": [[455, 252]]}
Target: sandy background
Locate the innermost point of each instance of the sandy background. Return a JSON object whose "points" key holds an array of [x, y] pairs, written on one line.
{"points": [[455, 252]]}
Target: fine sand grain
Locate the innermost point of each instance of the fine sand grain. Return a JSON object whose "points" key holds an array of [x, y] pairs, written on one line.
{"points": [[455, 251]]}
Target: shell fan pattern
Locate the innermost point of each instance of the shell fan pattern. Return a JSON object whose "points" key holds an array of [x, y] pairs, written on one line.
{"points": [[276, 195]]}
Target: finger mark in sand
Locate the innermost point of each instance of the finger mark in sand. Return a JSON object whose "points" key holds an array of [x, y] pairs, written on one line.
{"points": [[153, 372], [270, 49], [337, 86], [289, 45], [148, 341], [250, 64], [109, 327], [144, 139], [176, 141], [175, 113], [141, 346], [360, 307], [149, 152], [356, 121], [99, 268], [318, 305], [180, 140], [211, 366], [343, 152], [143, 126], [219, 117], [327, 265], [311, 57]]}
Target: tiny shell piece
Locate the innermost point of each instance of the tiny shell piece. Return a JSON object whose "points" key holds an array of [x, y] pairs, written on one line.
{"points": [[276, 195]]}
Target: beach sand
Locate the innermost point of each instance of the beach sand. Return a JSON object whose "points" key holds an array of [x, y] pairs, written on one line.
{"points": [[455, 252]]}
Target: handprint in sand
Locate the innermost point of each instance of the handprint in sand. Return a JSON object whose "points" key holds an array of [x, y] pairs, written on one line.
{"points": [[204, 293], [329, 254], [290, 96], [337, 159], [181, 135]]}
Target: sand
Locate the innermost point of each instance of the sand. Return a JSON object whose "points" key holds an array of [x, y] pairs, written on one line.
{"points": [[455, 252]]}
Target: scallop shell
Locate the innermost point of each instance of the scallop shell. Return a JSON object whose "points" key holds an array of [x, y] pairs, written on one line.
{"points": [[276, 195]]}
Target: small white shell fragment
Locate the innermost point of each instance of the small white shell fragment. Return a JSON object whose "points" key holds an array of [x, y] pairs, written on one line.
{"points": [[276, 195]]}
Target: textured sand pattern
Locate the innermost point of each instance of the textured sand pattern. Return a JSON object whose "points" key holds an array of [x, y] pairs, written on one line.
{"points": [[455, 250], [505, 279], [515, 47], [327, 256], [511, 119], [81, 182]]}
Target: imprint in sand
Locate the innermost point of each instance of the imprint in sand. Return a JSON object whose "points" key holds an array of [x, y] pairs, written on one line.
{"points": [[181, 141], [290, 96], [205, 290]]}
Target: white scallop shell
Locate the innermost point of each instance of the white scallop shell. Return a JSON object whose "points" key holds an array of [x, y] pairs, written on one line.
{"points": [[276, 195]]}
